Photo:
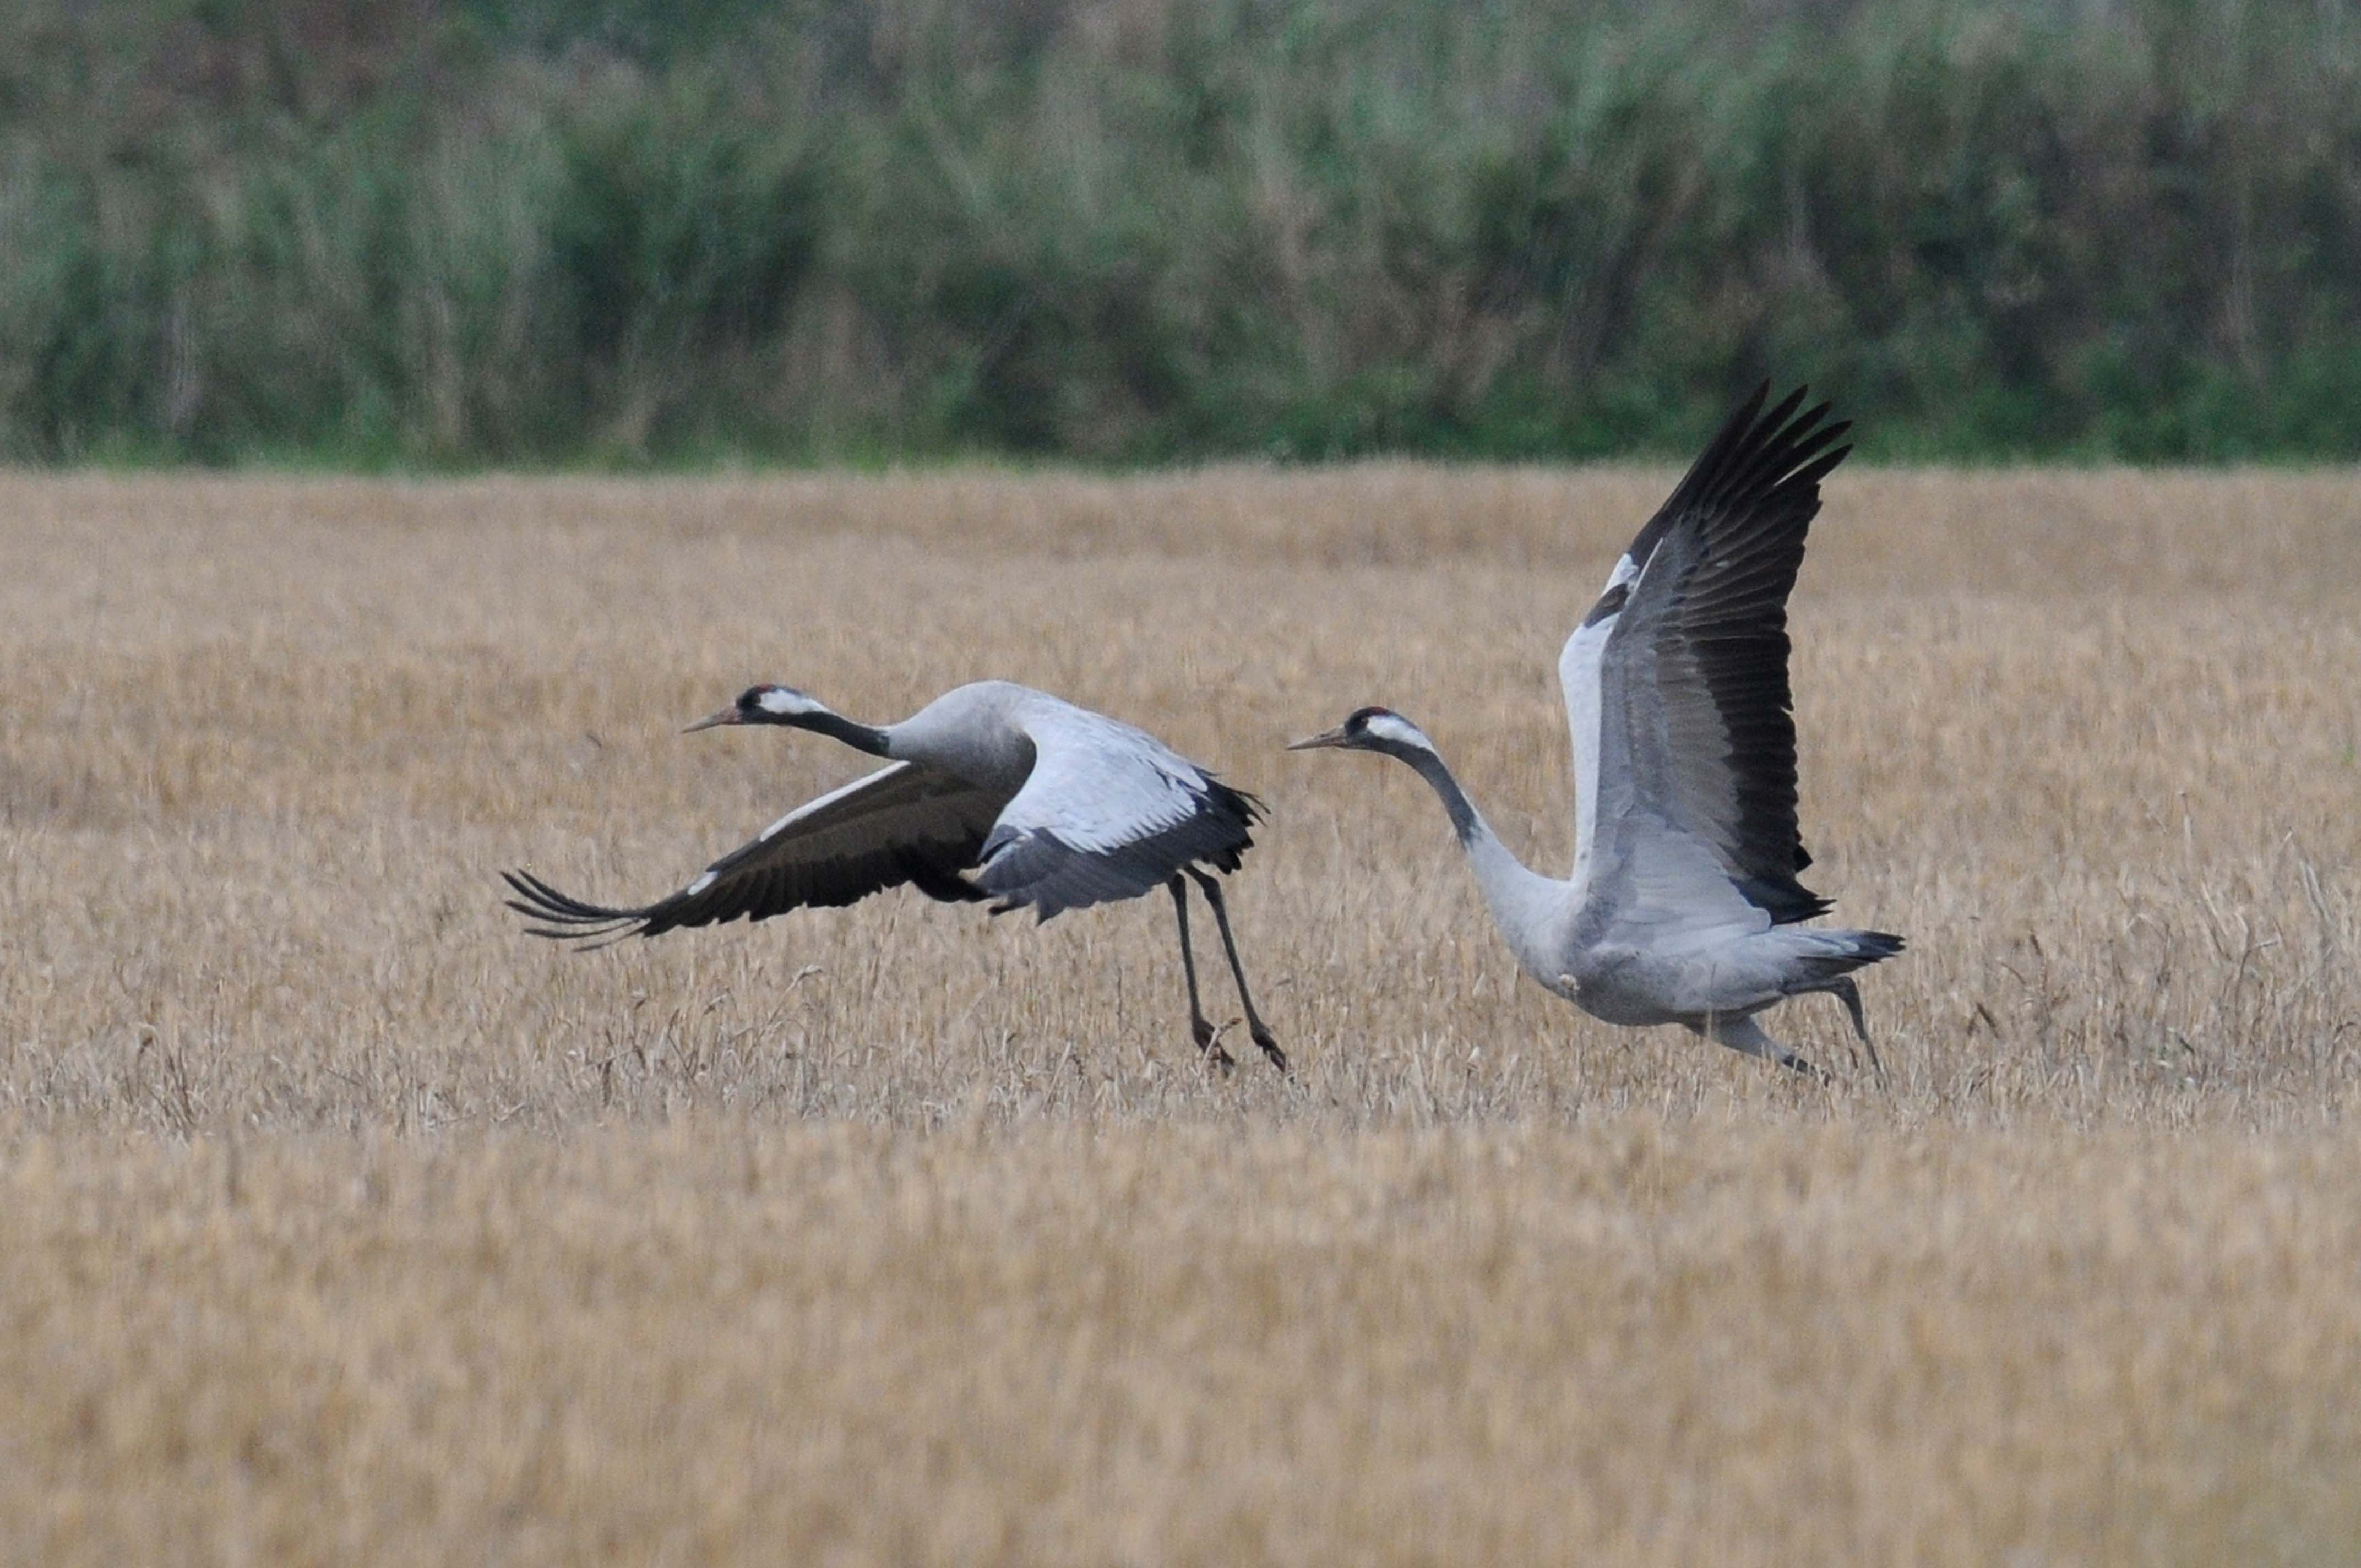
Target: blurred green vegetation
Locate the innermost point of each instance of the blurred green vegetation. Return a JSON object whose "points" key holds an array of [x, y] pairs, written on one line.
{"points": [[403, 233]]}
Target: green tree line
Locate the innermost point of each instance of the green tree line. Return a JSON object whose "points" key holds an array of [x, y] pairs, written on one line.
{"points": [[404, 232]]}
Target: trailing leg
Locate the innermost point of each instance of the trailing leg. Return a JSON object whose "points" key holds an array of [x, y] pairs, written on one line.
{"points": [[1255, 1026], [1849, 995], [1197, 1027]]}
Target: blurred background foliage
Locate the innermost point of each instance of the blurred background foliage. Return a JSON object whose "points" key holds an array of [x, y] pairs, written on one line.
{"points": [[434, 233]]}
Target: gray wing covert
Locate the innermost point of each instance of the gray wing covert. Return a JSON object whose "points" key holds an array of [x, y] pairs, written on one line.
{"points": [[1108, 813]]}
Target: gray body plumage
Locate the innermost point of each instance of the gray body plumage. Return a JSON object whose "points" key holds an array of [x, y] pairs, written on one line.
{"points": [[1096, 810], [1684, 906]]}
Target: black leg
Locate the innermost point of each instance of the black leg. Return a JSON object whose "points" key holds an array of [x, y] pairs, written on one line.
{"points": [[1849, 995], [1197, 1024], [1255, 1026], [1794, 1063]]}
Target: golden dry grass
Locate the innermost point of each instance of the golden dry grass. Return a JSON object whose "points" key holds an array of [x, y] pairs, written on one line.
{"points": [[340, 1220]]}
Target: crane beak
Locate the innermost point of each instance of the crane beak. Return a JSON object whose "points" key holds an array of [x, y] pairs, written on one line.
{"points": [[1314, 743], [726, 716]]}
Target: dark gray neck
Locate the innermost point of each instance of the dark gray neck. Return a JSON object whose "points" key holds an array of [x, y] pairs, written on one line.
{"points": [[835, 727], [1463, 820]]}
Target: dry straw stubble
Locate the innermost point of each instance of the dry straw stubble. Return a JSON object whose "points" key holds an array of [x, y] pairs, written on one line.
{"points": [[345, 1220]]}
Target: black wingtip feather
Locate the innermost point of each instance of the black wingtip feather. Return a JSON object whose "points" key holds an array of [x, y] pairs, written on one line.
{"points": [[1752, 495], [570, 919], [1756, 456]]}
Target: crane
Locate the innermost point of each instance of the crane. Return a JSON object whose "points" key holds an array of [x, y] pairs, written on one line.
{"points": [[1684, 906], [993, 791]]}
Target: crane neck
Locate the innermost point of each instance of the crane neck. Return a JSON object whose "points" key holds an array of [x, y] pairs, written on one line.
{"points": [[1466, 820], [835, 727], [1525, 904]]}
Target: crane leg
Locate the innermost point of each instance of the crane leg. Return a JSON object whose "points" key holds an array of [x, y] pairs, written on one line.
{"points": [[1745, 1035], [1202, 1030], [1849, 995], [1255, 1026]]}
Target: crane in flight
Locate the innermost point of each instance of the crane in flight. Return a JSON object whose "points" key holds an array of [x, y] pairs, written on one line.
{"points": [[993, 790], [1684, 906]]}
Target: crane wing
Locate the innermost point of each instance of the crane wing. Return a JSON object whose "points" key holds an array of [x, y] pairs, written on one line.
{"points": [[1109, 813], [901, 824], [1695, 738]]}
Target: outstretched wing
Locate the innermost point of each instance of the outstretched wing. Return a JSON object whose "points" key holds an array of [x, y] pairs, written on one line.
{"points": [[1695, 726], [1110, 812], [901, 824]]}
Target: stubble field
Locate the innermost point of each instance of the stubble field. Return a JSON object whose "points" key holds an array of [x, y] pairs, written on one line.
{"points": [[339, 1220]]}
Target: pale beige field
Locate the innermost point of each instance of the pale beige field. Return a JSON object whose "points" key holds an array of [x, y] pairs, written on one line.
{"points": [[341, 1221]]}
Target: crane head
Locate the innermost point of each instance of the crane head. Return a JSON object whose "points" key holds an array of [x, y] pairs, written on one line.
{"points": [[763, 705], [1369, 729]]}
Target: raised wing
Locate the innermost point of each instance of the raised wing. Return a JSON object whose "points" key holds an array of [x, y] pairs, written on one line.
{"points": [[1578, 665], [901, 824], [1695, 726], [1109, 813]]}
